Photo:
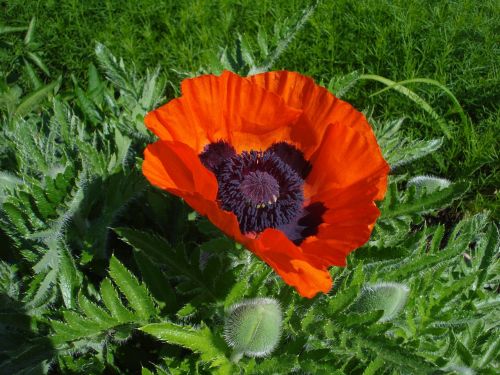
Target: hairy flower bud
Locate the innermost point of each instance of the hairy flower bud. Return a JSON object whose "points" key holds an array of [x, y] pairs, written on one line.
{"points": [[429, 183], [389, 297], [253, 327]]}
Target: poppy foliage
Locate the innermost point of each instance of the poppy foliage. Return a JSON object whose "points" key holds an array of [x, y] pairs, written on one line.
{"points": [[277, 163]]}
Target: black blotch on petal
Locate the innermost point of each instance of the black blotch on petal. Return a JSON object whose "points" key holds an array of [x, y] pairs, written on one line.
{"points": [[305, 224], [293, 157], [215, 154]]}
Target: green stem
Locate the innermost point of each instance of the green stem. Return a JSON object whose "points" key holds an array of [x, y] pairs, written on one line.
{"points": [[236, 355]]}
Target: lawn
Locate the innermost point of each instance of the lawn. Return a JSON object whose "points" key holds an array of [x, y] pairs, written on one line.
{"points": [[80, 223], [455, 43]]}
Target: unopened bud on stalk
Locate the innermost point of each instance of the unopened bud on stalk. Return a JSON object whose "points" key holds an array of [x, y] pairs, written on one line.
{"points": [[253, 327], [429, 183], [389, 297]]}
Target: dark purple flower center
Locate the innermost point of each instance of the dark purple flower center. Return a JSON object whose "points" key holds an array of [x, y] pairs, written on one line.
{"points": [[264, 189], [260, 188]]}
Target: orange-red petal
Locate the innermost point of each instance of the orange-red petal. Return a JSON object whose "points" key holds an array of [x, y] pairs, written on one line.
{"points": [[347, 225], [320, 107], [227, 108], [175, 167], [348, 158], [273, 247]]}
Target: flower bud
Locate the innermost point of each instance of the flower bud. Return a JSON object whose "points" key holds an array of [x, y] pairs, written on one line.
{"points": [[429, 183], [253, 327], [389, 297]]}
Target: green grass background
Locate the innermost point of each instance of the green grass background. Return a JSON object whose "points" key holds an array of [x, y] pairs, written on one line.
{"points": [[454, 42]]}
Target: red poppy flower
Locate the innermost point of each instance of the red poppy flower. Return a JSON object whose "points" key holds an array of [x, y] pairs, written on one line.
{"points": [[277, 163]]}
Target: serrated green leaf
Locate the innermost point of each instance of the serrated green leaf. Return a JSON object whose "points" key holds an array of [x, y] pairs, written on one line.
{"points": [[198, 340], [16, 216], [96, 313], [84, 326], [491, 247], [396, 355], [137, 295], [425, 263], [30, 102], [114, 70], [156, 281], [46, 208], [88, 108], [464, 354], [341, 300], [405, 153], [9, 180], [451, 292], [421, 204], [9, 285], [492, 351], [374, 365], [161, 251], [69, 279], [62, 116], [237, 291], [488, 304], [246, 53], [64, 333], [359, 319], [284, 41], [436, 239], [340, 85], [150, 89], [95, 87], [262, 42], [44, 290], [113, 303], [122, 147]]}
